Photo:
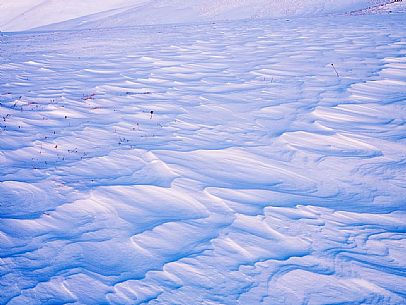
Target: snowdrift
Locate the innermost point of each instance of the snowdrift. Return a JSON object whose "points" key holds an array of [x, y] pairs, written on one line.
{"points": [[262, 177]]}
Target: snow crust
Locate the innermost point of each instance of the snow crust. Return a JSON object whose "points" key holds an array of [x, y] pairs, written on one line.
{"points": [[271, 169]]}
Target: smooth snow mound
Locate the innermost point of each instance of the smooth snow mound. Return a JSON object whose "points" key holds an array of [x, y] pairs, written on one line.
{"points": [[29, 14]]}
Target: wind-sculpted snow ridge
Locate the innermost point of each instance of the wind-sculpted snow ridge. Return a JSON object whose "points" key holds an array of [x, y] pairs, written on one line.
{"points": [[231, 163]]}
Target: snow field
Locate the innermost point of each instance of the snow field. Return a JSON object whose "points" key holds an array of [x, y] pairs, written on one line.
{"points": [[260, 177]]}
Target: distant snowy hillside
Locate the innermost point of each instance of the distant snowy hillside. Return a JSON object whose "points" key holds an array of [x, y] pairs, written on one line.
{"points": [[21, 15], [29, 14]]}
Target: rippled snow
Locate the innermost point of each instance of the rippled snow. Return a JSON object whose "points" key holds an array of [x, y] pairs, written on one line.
{"points": [[260, 177]]}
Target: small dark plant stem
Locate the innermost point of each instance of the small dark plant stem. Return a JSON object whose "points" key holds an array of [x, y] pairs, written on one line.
{"points": [[335, 70]]}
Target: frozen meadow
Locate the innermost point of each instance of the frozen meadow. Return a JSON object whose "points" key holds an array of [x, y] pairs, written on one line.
{"points": [[241, 162]]}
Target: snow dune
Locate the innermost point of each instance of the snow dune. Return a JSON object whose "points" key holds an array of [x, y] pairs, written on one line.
{"points": [[260, 177], [75, 14]]}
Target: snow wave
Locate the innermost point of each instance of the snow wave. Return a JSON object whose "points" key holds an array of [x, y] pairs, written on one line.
{"points": [[228, 163]]}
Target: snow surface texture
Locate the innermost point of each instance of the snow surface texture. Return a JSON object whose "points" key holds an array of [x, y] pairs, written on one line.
{"points": [[263, 175], [27, 14]]}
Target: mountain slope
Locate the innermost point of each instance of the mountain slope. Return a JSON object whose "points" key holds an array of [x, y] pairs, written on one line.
{"points": [[95, 14], [26, 14], [177, 11]]}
